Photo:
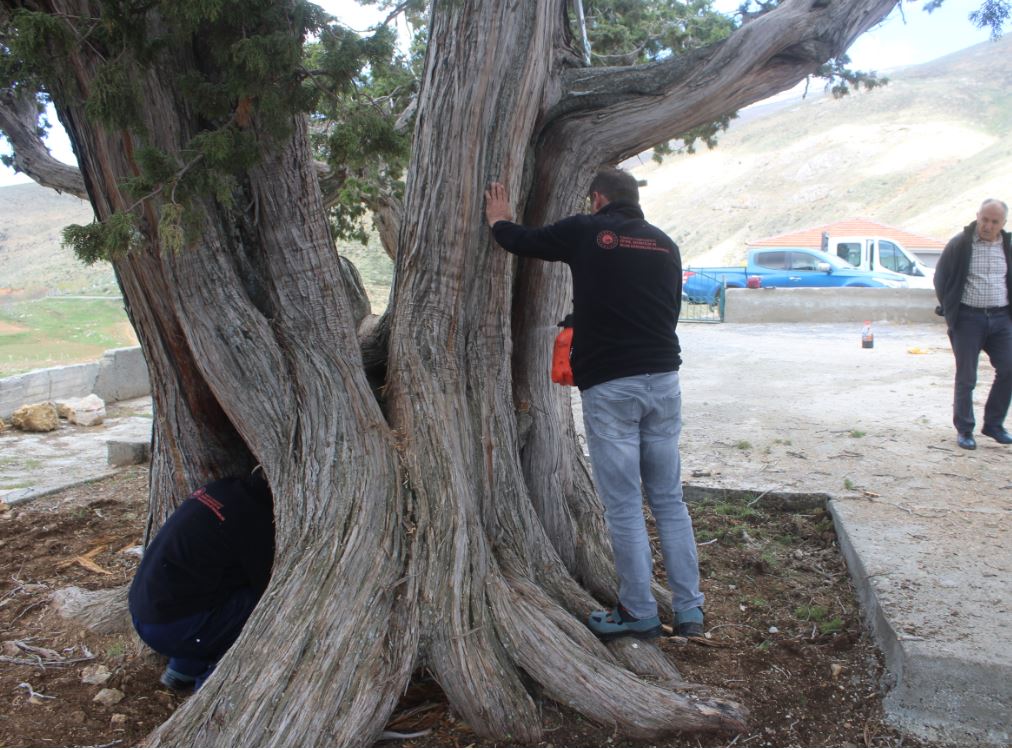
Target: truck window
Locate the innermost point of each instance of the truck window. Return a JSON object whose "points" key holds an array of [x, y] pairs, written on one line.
{"points": [[850, 252], [803, 262], [893, 258], [776, 259]]}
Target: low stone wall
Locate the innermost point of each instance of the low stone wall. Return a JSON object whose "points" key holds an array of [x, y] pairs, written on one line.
{"points": [[121, 374], [844, 305]]}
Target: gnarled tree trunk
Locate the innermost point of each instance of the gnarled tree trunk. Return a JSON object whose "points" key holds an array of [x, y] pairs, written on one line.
{"points": [[451, 524]]}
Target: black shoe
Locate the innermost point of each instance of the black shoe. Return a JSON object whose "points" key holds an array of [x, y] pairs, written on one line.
{"points": [[965, 440], [997, 433], [176, 682]]}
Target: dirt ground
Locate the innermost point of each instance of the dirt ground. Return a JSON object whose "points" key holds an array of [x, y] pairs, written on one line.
{"points": [[784, 633]]}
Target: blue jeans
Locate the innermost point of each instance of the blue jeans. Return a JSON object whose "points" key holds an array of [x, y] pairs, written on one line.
{"points": [[194, 644], [977, 331], [633, 425]]}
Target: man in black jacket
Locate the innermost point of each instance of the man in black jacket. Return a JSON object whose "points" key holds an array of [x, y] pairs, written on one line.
{"points": [[973, 282], [202, 575], [627, 283]]}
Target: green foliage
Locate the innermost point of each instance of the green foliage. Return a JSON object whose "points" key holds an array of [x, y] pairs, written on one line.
{"points": [[114, 97], [625, 32], [840, 78], [170, 228], [628, 32], [993, 14], [108, 240], [363, 85], [30, 39]]}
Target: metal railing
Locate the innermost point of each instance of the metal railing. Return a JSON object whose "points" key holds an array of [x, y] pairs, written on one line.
{"points": [[711, 311]]}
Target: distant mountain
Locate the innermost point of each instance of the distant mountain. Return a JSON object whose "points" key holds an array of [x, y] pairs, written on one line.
{"points": [[920, 153], [32, 262]]}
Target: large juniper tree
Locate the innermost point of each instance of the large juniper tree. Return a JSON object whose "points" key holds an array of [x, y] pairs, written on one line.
{"points": [[433, 509]]}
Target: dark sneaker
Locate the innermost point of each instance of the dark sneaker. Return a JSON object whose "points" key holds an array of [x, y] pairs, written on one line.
{"points": [[609, 624], [689, 624], [175, 681]]}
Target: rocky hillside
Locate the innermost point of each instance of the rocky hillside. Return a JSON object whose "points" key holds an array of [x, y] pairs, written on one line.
{"points": [[32, 262], [920, 154]]}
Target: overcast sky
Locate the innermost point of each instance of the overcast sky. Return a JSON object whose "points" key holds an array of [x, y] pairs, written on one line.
{"points": [[902, 39]]}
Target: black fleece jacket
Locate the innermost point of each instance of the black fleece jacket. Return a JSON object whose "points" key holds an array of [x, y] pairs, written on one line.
{"points": [[627, 289], [221, 538], [954, 266]]}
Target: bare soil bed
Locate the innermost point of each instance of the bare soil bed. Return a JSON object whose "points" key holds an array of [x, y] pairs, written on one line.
{"points": [[784, 633]]}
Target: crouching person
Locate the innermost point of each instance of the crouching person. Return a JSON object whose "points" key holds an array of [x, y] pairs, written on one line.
{"points": [[202, 575]]}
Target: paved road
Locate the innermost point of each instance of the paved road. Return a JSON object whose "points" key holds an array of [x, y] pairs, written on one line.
{"points": [[924, 524]]}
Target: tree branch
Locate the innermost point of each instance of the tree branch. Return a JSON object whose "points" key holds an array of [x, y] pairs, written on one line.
{"points": [[635, 108], [19, 114]]}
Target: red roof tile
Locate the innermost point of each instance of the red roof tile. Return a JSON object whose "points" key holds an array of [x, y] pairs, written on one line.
{"points": [[812, 237]]}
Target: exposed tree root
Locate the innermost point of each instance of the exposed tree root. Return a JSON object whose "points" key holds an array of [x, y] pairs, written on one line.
{"points": [[573, 672]]}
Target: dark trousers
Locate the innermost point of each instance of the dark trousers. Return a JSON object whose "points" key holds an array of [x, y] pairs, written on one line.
{"points": [[195, 643], [989, 331]]}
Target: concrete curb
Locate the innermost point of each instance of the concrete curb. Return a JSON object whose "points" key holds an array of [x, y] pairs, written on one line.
{"points": [[843, 305], [26, 494], [945, 699]]}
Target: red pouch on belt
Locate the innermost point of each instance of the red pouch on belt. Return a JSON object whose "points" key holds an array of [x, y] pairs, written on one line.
{"points": [[562, 371]]}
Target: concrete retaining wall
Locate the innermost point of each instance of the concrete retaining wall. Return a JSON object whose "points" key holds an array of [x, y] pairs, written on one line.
{"points": [[120, 374], [831, 305]]}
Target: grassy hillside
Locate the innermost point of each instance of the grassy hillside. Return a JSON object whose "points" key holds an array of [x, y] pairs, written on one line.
{"points": [[53, 331], [920, 154]]}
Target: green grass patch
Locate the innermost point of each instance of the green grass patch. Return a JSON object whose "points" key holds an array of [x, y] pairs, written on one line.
{"points": [[811, 612], [58, 330], [857, 433], [735, 510], [828, 627]]}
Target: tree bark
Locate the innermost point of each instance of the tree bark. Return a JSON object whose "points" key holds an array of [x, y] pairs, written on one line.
{"points": [[433, 508], [19, 115]]}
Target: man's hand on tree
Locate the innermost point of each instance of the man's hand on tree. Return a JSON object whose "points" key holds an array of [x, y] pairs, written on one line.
{"points": [[497, 207]]}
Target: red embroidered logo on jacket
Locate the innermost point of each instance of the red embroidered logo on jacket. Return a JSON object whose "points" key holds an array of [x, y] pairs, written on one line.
{"points": [[201, 496], [607, 239]]}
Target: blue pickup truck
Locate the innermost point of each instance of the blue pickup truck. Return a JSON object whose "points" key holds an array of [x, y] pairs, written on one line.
{"points": [[785, 267]]}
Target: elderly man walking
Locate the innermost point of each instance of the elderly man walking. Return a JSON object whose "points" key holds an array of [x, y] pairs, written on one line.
{"points": [[973, 282]]}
